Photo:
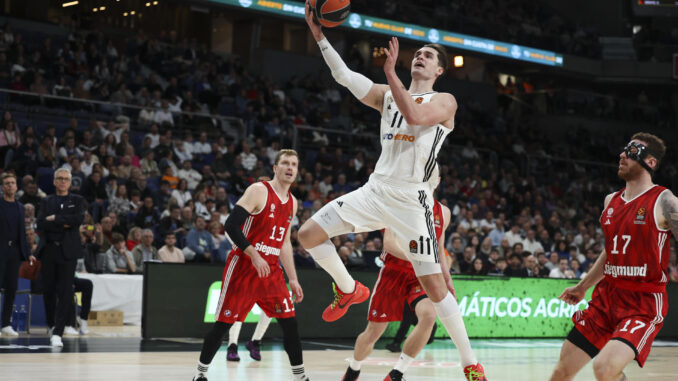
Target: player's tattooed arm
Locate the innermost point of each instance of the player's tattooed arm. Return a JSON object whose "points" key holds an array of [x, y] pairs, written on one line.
{"points": [[669, 208]]}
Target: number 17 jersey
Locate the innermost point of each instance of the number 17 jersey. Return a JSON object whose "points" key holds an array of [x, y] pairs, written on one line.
{"points": [[637, 248]]}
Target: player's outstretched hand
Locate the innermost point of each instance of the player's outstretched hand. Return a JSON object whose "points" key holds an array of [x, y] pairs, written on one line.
{"points": [[572, 295], [316, 30], [261, 266], [391, 56], [297, 291]]}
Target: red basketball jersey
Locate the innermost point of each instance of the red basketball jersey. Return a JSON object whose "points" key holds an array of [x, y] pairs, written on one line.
{"points": [[266, 229], [392, 261], [637, 248]]}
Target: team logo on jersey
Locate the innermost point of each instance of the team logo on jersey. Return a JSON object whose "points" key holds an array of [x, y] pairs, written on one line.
{"points": [[403, 137], [414, 248], [640, 216], [419, 100], [272, 210], [609, 212], [277, 308], [290, 218], [374, 312], [227, 313]]}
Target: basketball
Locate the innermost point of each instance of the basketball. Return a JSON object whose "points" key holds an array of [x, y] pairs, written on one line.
{"points": [[330, 13]]}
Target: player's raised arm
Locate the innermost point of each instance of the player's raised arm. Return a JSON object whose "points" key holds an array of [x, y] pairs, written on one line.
{"points": [[251, 201], [287, 260], [442, 107], [361, 87]]}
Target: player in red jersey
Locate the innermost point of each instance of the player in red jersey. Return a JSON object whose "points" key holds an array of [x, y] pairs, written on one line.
{"points": [[629, 302], [397, 283], [259, 227]]}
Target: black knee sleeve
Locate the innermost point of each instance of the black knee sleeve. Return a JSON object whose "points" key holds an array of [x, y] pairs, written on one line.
{"points": [[291, 340], [213, 341]]}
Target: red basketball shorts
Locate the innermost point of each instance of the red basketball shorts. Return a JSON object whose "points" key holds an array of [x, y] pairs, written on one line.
{"points": [[629, 316], [242, 287], [392, 289]]}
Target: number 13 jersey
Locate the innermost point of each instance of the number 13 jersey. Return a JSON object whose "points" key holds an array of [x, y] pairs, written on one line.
{"points": [[637, 248], [266, 229]]}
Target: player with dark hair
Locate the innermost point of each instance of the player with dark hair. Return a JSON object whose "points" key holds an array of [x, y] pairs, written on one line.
{"points": [[259, 227], [399, 194], [629, 302]]}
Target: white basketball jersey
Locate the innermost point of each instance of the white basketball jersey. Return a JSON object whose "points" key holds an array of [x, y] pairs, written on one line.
{"points": [[408, 153]]}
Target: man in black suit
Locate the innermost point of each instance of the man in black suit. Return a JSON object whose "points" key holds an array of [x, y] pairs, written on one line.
{"points": [[60, 247], [13, 247]]}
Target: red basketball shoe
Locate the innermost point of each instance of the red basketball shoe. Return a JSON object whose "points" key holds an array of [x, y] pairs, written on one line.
{"points": [[475, 373], [342, 301]]}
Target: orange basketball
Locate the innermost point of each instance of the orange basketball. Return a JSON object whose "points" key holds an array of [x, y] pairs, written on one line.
{"points": [[330, 13]]}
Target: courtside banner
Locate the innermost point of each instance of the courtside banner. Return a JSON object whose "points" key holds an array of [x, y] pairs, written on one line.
{"points": [[179, 300], [410, 31], [512, 307]]}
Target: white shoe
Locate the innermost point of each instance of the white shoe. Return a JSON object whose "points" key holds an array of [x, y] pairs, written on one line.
{"points": [[9, 331], [55, 341], [84, 330], [68, 330]]}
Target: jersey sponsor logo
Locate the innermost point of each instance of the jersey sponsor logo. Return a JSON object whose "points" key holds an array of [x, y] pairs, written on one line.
{"points": [[413, 247], [266, 250], [640, 216], [401, 137], [419, 100], [630, 271]]}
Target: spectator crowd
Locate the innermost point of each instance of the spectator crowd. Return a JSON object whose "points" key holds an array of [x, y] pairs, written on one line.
{"points": [[160, 181]]}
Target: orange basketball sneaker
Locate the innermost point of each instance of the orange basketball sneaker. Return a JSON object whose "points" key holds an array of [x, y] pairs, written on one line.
{"points": [[475, 373], [342, 301]]}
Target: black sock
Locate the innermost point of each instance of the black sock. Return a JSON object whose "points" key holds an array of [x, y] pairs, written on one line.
{"points": [[351, 375], [213, 341], [291, 341]]}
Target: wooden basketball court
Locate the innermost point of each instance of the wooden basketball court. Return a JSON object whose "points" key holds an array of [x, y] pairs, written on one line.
{"points": [[119, 354]]}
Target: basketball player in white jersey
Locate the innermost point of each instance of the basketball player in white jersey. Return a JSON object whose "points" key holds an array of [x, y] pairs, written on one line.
{"points": [[398, 195]]}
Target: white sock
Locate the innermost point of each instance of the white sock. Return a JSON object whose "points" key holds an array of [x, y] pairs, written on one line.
{"points": [[450, 315], [202, 369], [326, 256], [354, 364], [262, 326], [234, 333], [299, 373], [403, 363]]}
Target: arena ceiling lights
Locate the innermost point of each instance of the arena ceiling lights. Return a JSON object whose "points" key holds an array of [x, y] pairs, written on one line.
{"points": [[411, 31]]}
